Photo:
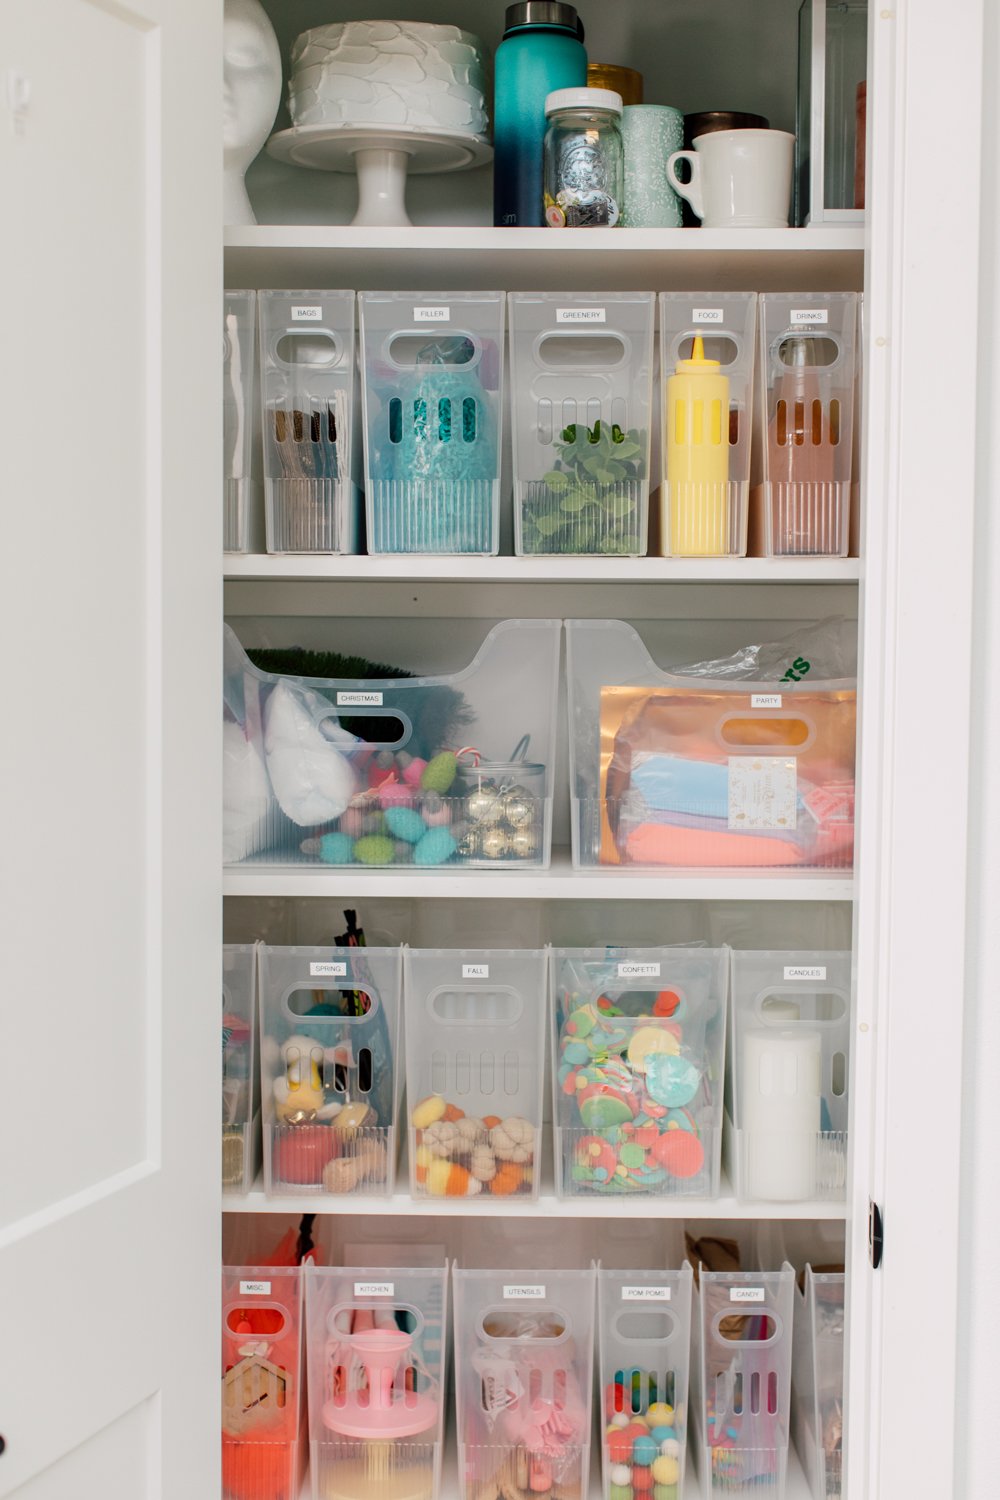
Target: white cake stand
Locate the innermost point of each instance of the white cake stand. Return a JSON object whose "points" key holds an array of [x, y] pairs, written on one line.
{"points": [[381, 157]]}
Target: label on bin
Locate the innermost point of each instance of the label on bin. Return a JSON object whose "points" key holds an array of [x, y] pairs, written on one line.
{"points": [[359, 700], [802, 315], [374, 1289], [580, 315], [707, 314], [638, 971], [475, 971], [432, 315], [307, 315], [645, 1294], [746, 1294], [327, 971], [765, 700], [524, 1293], [255, 1289], [802, 971]]}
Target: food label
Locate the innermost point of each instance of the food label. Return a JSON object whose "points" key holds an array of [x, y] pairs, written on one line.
{"points": [[524, 1293], [580, 315], [815, 315], [765, 700], [307, 314], [763, 792], [638, 971], [746, 1294], [359, 700], [797, 971], [328, 971], [707, 315], [374, 1289], [645, 1294], [432, 315], [475, 971], [255, 1289]]}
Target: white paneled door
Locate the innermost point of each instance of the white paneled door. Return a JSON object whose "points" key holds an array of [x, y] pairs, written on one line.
{"points": [[109, 598]]}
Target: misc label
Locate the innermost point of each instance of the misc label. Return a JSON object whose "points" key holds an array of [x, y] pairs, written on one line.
{"points": [[746, 1294], [524, 1293], [763, 792], [707, 314], [581, 315], [814, 315], [374, 1289], [328, 971], [432, 315], [475, 971], [307, 315], [765, 700], [801, 971], [638, 971], [255, 1289], [645, 1294], [359, 700]]}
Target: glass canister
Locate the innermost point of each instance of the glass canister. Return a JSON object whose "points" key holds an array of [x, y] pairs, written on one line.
{"points": [[584, 161]]}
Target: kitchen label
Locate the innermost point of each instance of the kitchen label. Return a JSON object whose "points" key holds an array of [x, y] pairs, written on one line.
{"points": [[359, 700], [580, 315], [638, 971], [327, 971], [795, 971], [475, 971], [645, 1294], [746, 1294], [765, 700], [707, 315], [374, 1289], [307, 315], [814, 315], [255, 1289], [524, 1293], [432, 315]]}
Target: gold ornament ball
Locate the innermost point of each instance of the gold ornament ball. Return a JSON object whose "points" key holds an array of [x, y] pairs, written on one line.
{"points": [[524, 843], [470, 844], [519, 808], [495, 843], [483, 806]]}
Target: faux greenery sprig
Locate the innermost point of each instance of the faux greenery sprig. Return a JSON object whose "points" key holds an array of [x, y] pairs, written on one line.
{"points": [[589, 502]]}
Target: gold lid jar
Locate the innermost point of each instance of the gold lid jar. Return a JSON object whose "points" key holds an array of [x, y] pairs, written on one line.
{"points": [[624, 81]]}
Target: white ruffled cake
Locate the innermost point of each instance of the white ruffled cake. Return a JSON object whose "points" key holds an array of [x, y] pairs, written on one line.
{"points": [[409, 74]]}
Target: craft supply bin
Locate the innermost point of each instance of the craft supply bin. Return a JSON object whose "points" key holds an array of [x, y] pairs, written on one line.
{"points": [[707, 411], [644, 1323], [330, 1071], [741, 1392], [581, 380], [818, 1380], [239, 358], [263, 1411], [808, 369], [239, 1020], [433, 415], [702, 771], [307, 358], [475, 1046], [376, 1356], [353, 771], [789, 1075], [637, 1056], [524, 1357]]}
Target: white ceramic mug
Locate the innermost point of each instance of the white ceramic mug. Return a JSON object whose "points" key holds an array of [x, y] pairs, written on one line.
{"points": [[740, 179]]}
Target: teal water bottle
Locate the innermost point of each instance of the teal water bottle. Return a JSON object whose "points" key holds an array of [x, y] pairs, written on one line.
{"points": [[542, 50]]}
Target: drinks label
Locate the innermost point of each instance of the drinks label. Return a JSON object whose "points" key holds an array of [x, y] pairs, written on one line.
{"points": [[800, 971], [524, 1293], [813, 315], [307, 315], [432, 315], [746, 1294], [255, 1289], [707, 314], [580, 315], [765, 700], [328, 971], [638, 971], [645, 1294], [475, 971], [359, 700], [374, 1289]]}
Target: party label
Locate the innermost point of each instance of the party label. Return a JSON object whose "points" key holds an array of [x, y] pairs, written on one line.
{"points": [[645, 1294], [814, 315], [801, 971], [638, 971], [327, 971], [307, 314], [746, 1294], [765, 700], [359, 700], [524, 1293], [580, 315], [374, 1289], [432, 315], [707, 314], [255, 1289], [475, 971], [763, 792]]}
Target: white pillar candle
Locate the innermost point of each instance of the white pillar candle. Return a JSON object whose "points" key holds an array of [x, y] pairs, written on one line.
{"points": [[779, 1106]]}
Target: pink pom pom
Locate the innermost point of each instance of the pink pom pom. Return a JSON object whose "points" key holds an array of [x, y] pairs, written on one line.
{"points": [[395, 794], [414, 771], [350, 822], [437, 819]]}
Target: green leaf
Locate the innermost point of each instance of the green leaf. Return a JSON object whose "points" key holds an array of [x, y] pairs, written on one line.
{"points": [[617, 436], [626, 449], [619, 505], [556, 480], [576, 501], [548, 525], [568, 434]]}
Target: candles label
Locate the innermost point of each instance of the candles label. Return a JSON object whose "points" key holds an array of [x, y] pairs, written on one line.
{"points": [[328, 971], [645, 1294], [374, 1289], [580, 315], [746, 1294], [707, 314], [255, 1289], [432, 315], [763, 792], [524, 1293], [475, 971], [801, 971], [638, 971], [765, 700], [359, 700], [813, 315], [307, 315]]}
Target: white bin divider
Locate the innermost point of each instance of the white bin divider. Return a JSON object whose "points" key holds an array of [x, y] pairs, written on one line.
{"points": [[240, 1091], [818, 1381]]}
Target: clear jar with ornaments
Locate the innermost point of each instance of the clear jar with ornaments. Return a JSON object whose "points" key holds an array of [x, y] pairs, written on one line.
{"points": [[584, 161]]}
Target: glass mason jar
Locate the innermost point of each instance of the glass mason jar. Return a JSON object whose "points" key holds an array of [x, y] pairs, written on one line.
{"points": [[584, 164]]}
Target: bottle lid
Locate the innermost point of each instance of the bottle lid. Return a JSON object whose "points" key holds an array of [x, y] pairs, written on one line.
{"points": [[602, 99], [697, 360], [543, 13]]}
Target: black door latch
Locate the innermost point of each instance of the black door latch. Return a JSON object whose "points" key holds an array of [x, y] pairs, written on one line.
{"points": [[875, 1238]]}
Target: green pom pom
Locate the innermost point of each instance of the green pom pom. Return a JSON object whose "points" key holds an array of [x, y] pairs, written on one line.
{"points": [[440, 772], [375, 849], [336, 848]]}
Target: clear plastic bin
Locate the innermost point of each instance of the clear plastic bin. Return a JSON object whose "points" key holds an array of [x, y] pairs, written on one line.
{"points": [[808, 368], [350, 771], [700, 771], [239, 350], [789, 1066], [475, 1045], [433, 401], [330, 1073], [644, 1318], [263, 1411], [741, 1393], [707, 414], [818, 1381], [582, 379], [376, 1342], [637, 1054], [308, 366], [239, 1003], [524, 1360]]}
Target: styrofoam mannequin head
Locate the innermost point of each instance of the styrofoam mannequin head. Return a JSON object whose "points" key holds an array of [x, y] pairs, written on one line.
{"points": [[250, 98]]}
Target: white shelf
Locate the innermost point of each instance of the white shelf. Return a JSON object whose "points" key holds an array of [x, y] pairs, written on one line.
{"points": [[559, 883], [459, 258], [414, 569]]}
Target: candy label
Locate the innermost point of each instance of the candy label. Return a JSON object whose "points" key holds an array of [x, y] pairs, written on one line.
{"points": [[746, 1294], [307, 314], [707, 315], [638, 971], [475, 971], [765, 700], [359, 700], [645, 1294], [432, 315], [580, 315], [374, 1289], [327, 971], [255, 1289], [797, 971], [763, 792], [800, 315], [523, 1293]]}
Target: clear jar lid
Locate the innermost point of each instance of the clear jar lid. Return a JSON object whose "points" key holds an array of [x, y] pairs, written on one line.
{"points": [[590, 99]]}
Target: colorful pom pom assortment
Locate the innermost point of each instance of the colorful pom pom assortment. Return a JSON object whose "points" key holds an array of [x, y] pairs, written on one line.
{"points": [[644, 1447], [457, 1156]]}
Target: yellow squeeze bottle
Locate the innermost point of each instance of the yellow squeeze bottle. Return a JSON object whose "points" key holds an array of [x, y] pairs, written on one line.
{"points": [[697, 419]]}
